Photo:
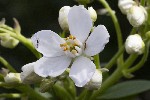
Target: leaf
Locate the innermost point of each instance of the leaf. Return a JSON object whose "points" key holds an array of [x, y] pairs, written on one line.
{"points": [[125, 89]]}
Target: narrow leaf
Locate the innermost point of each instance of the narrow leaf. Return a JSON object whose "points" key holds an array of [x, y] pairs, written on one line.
{"points": [[125, 89]]}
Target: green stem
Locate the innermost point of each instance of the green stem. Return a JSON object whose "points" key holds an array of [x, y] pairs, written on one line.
{"points": [[30, 92], [23, 40], [83, 93], [142, 61], [7, 65], [117, 27], [115, 57], [97, 61], [25, 89], [62, 93], [142, 2], [87, 95], [117, 74], [10, 95], [130, 61]]}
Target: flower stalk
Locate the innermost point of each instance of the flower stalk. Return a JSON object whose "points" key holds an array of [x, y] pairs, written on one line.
{"points": [[117, 27]]}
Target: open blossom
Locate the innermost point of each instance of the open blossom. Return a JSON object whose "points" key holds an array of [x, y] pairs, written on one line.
{"points": [[74, 51]]}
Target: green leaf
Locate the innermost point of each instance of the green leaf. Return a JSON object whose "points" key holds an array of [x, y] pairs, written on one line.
{"points": [[125, 89]]}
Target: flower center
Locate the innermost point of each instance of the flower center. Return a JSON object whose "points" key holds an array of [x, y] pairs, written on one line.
{"points": [[72, 47]]}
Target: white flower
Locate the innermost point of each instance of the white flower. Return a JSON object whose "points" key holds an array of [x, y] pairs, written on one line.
{"points": [[95, 81], [62, 19], [134, 44], [92, 13], [28, 76], [137, 15], [125, 5], [12, 78], [75, 50]]}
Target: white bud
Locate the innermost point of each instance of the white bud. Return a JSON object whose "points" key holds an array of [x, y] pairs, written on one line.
{"points": [[28, 75], [92, 13], [63, 18], [95, 81], [8, 42], [125, 5], [12, 78], [134, 44], [137, 15]]}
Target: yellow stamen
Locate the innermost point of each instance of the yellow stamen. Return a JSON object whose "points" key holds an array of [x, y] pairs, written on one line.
{"points": [[65, 49], [74, 51], [62, 45]]}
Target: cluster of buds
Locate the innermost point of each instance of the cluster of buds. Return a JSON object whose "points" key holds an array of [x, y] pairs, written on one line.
{"points": [[136, 14], [63, 16], [5, 39]]}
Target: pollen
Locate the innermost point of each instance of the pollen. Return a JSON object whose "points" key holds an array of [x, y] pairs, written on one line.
{"points": [[72, 46], [74, 52]]}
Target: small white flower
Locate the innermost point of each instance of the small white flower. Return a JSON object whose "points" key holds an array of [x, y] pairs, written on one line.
{"points": [[62, 19], [92, 13], [95, 81], [137, 15], [125, 5], [28, 76], [8, 42], [12, 78], [58, 53], [134, 44]]}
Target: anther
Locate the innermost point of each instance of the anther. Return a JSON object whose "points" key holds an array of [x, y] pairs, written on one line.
{"points": [[62, 45], [74, 52], [65, 49]]}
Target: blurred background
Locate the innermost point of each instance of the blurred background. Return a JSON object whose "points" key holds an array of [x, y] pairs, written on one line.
{"points": [[36, 15]]}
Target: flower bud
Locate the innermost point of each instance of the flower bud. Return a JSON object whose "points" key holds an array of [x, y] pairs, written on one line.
{"points": [[134, 44], [92, 13], [46, 84], [95, 81], [125, 5], [12, 78], [137, 15], [63, 18], [28, 75], [8, 42]]}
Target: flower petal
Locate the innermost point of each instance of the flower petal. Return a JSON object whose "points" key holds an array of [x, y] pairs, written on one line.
{"points": [[97, 40], [80, 22], [51, 66], [82, 71], [48, 43]]}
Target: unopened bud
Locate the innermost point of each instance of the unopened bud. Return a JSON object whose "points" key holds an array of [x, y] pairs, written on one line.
{"points": [[134, 44], [92, 13], [125, 5], [46, 84], [8, 42], [137, 15], [63, 18], [96, 81], [12, 78], [28, 76]]}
